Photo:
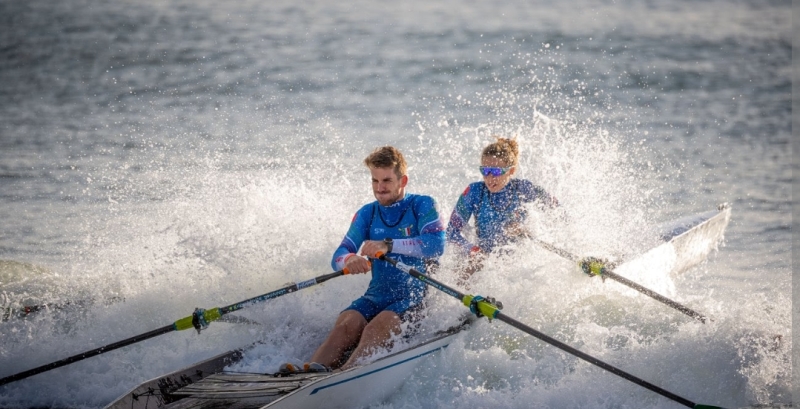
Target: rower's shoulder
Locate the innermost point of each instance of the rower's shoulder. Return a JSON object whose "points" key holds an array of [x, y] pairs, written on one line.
{"points": [[531, 190], [365, 210], [420, 200], [474, 189], [524, 185]]}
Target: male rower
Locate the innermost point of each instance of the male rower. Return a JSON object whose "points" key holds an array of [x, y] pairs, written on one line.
{"points": [[406, 227]]}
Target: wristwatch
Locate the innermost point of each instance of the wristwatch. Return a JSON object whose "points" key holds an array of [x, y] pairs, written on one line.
{"points": [[389, 244]]}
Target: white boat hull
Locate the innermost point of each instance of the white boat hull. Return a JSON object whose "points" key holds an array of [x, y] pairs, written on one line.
{"points": [[210, 388], [362, 385], [691, 239], [688, 242]]}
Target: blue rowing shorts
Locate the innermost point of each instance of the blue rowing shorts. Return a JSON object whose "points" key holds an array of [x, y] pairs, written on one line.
{"points": [[408, 309]]}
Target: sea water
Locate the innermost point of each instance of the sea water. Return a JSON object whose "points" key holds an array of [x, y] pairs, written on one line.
{"points": [[156, 157]]}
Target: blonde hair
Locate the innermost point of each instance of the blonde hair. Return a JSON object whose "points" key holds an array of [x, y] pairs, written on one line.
{"points": [[505, 149], [387, 157]]}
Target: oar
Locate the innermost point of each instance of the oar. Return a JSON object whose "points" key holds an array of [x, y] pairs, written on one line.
{"points": [[595, 267], [198, 320], [27, 310], [481, 307]]}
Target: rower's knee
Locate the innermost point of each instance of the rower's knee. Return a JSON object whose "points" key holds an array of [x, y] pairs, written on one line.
{"points": [[349, 324], [385, 325]]}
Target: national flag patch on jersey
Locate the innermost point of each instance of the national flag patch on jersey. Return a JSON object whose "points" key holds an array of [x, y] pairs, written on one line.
{"points": [[406, 231]]}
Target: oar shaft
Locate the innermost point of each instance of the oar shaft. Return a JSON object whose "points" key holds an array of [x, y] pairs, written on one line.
{"points": [[181, 324], [608, 272], [283, 291], [656, 296], [588, 358], [492, 312], [561, 252], [87, 354]]}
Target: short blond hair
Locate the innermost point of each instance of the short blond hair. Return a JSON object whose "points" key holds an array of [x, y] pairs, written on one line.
{"points": [[504, 149], [387, 157]]}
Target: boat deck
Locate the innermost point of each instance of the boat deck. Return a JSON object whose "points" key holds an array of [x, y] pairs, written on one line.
{"points": [[239, 390]]}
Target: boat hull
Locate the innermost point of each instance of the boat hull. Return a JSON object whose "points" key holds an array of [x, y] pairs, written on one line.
{"points": [[692, 239], [157, 392], [205, 386], [362, 385], [687, 242]]}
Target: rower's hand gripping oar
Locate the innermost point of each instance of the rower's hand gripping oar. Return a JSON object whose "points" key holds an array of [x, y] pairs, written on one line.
{"points": [[199, 320], [597, 267], [491, 311]]}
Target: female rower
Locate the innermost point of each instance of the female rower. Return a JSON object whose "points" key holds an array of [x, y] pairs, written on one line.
{"points": [[497, 204]]}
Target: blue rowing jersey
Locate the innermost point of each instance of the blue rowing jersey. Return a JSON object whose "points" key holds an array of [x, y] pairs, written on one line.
{"points": [[418, 234], [493, 212]]}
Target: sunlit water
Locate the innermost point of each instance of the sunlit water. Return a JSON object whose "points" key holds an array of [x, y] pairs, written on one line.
{"points": [[161, 156]]}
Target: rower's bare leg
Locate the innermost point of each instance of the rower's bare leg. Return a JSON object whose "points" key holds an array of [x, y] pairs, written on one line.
{"points": [[346, 332], [375, 335]]}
